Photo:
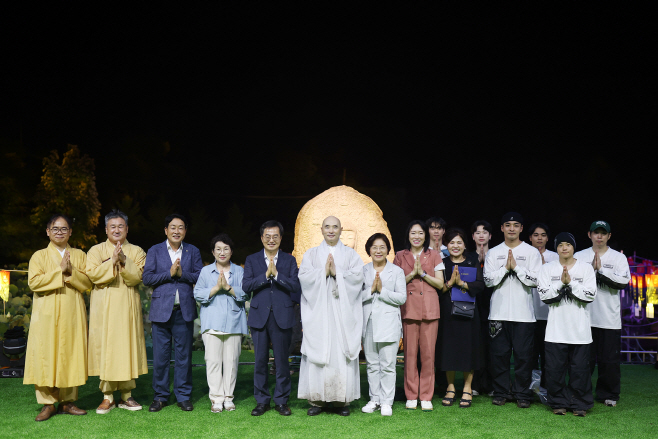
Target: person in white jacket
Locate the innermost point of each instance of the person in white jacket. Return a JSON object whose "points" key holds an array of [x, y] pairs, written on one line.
{"points": [[384, 290], [511, 268], [612, 275], [567, 286]]}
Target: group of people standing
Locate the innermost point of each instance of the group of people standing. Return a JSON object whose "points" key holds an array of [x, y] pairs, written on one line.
{"points": [[488, 302]]}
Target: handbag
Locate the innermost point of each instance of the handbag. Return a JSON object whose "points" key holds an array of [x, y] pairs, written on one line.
{"points": [[463, 309]]}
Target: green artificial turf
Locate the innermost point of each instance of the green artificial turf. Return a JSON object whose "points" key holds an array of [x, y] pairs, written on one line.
{"points": [[634, 416]]}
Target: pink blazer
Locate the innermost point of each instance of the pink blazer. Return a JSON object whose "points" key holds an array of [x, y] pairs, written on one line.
{"points": [[422, 299]]}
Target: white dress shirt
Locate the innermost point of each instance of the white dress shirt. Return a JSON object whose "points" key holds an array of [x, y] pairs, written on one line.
{"points": [[267, 261], [175, 255]]}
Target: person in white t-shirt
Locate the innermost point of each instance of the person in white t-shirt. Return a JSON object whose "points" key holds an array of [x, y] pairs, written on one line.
{"points": [[538, 235], [437, 228], [567, 286], [511, 268], [612, 275]]}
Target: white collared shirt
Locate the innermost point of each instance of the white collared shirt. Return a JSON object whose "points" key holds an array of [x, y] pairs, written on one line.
{"points": [[175, 255]]}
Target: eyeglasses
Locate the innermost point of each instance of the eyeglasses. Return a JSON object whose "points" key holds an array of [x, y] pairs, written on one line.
{"points": [[57, 230]]}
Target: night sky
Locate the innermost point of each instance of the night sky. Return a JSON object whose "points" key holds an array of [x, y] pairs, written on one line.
{"points": [[465, 114]]}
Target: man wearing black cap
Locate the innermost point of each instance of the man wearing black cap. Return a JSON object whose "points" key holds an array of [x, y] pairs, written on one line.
{"points": [[612, 275], [567, 286], [511, 268]]}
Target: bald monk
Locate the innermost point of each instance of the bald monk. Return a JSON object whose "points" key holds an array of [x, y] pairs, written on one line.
{"points": [[331, 277], [56, 358]]}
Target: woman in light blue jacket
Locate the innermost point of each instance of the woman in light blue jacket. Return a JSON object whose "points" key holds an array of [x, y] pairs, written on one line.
{"points": [[385, 290], [223, 321]]}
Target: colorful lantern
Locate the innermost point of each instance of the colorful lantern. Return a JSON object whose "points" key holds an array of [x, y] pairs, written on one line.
{"points": [[650, 310], [4, 285]]}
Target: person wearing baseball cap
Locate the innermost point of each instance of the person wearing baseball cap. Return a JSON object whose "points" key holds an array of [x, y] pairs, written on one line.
{"points": [[511, 269], [612, 275], [568, 286]]}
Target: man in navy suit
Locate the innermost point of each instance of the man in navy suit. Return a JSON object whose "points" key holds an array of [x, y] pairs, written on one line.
{"points": [[271, 277], [172, 268]]}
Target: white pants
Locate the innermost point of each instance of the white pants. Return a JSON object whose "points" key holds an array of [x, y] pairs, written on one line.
{"points": [[380, 359], [222, 357]]}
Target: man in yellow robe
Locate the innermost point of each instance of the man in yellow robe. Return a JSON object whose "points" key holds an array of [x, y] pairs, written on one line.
{"points": [[117, 352], [56, 358]]}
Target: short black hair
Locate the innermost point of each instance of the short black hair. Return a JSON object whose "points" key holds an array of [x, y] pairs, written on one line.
{"points": [[426, 244], [438, 220], [452, 233], [173, 216], [269, 224], [374, 238], [485, 225], [222, 237], [57, 216], [536, 226]]}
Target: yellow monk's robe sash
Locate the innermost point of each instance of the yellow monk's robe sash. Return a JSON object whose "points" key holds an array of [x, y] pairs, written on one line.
{"points": [[57, 344], [117, 351]]}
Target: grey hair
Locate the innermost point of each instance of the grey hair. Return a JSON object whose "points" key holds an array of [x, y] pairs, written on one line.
{"points": [[116, 213]]}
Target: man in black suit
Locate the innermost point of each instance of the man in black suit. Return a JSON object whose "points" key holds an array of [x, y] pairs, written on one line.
{"points": [[271, 277]]}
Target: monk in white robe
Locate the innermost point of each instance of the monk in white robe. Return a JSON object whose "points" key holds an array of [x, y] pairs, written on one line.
{"points": [[331, 277], [117, 351], [56, 357]]}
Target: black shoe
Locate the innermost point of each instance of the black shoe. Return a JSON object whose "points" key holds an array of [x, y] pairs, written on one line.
{"points": [[186, 406], [156, 406], [498, 401], [314, 411], [523, 403], [283, 409], [260, 409], [344, 411]]}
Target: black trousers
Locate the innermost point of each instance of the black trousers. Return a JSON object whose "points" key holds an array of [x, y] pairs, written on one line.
{"points": [[573, 358], [482, 381], [508, 337], [605, 351], [539, 352], [280, 339]]}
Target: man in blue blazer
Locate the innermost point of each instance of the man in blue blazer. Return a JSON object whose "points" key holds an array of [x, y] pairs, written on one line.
{"points": [[172, 268], [271, 277]]}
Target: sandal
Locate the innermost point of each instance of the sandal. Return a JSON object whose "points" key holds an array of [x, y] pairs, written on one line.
{"points": [[465, 401], [450, 400]]}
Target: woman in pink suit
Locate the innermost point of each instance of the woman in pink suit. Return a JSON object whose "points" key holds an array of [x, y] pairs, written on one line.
{"points": [[423, 270]]}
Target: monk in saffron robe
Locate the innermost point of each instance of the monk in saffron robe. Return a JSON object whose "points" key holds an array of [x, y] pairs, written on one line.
{"points": [[56, 357], [331, 277], [117, 351]]}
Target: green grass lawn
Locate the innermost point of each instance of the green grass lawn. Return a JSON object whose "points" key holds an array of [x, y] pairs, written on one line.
{"points": [[634, 416]]}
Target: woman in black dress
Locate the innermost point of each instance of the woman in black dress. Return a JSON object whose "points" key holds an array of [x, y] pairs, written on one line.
{"points": [[460, 336]]}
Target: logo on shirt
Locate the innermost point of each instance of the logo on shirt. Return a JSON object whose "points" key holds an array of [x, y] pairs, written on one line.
{"points": [[555, 278], [520, 258], [502, 257], [578, 279], [608, 266]]}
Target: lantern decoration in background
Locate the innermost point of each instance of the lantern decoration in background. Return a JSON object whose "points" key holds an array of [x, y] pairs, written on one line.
{"points": [[652, 282], [650, 310], [634, 287], [4, 285]]}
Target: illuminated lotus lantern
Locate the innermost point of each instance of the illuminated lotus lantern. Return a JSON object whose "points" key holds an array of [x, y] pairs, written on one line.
{"points": [[4, 285], [359, 215]]}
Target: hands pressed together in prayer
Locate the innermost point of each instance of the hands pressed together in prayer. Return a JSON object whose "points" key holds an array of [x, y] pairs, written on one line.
{"points": [[596, 262], [566, 278], [376, 285], [176, 270], [67, 268], [330, 266], [455, 279], [222, 286], [481, 253], [271, 270], [511, 262], [118, 257]]}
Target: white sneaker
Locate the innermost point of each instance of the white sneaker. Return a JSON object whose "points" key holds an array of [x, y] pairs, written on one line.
{"points": [[426, 406], [370, 407], [475, 392], [411, 404], [216, 407], [610, 403], [387, 410], [229, 406]]}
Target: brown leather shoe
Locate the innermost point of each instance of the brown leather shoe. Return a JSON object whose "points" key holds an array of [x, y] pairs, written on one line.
{"points": [[47, 411], [69, 408], [105, 407], [129, 404]]}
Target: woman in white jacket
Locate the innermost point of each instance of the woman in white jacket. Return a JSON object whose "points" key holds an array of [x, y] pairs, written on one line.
{"points": [[384, 291]]}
